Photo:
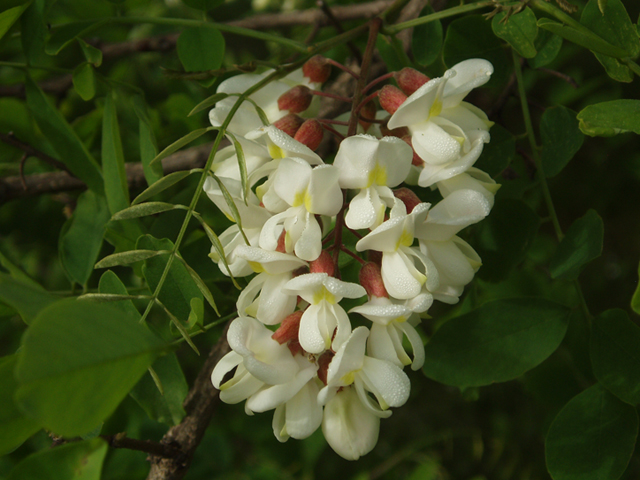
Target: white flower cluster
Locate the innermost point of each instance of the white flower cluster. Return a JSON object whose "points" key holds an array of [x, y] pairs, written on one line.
{"points": [[293, 346]]}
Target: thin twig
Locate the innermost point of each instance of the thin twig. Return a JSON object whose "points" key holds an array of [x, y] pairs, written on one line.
{"points": [[560, 75], [10, 139], [338, 26], [120, 440]]}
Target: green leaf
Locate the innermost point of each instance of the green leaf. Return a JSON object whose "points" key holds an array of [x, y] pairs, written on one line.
{"points": [[206, 293], [242, 166], [15, 427], [84, 81], [613, 25], [145, 209], [635, 300], [115, 177], [503, 238], [32, 21], [203, 4], [208, 102], [148, 144], [27, 298], [162, 184], [91, 53], [615, 356], [80, 243], [15, 271], [64, 35], [127, 258], [497, 342], [548, 46], [10, 16], [166, 406], [561, 139], [519, 31], [592, 438], [111, 284], [610, 118], [498, 153], [178, 144], [583, 37], [395, 58], [196, 316], [472, 37], [581, 244], [200, 49], [178, 288], [77, 363], [74, 461], [68, 147], [219, 250], [426, 41]]}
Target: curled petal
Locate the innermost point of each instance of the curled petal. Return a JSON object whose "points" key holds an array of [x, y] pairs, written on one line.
{"points": [[386, 381], [273, 396], [348, 359], [401, 278]]}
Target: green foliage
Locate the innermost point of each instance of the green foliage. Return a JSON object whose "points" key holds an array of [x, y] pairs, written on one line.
{"points": [[592, 437], [100, 354], [497, 342], [27, 298], [519, 30], [426, 42], [610, 118], [561, 139], [200, 49]]}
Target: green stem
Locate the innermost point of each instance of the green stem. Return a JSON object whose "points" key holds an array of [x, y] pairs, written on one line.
{"points": [[534, 147], [543, 179], [24, 66], [449, 12], [554, 11]]}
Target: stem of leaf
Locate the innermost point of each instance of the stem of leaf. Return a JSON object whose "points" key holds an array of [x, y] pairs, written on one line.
{"points": [[449, 12]]}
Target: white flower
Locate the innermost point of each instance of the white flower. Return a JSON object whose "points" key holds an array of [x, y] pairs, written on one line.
{"points": [[401, 277], [258, 360], [350, 366], [447, 134], [472, 179], [309, 192], [373, 166], [324, 315], [349, 428], [263, 298]]}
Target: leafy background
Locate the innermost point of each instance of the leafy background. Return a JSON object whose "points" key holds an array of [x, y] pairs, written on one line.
{"points": [[536, 369]]}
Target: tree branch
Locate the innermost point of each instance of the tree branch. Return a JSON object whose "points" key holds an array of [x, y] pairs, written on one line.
{"points": [[199, 405], [121, 440], [12, 188]]}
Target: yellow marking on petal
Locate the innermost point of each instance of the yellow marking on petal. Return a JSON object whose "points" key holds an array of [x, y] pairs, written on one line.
{"points": [[492, 187], [299, 198], [406, 239], [260, 191], [460, 140], [400, 319], [288, 243], [276, 152], [349, 378], [256, 266], [226, 385], [307, 201], [378, 176], [324, 294], [228, 215], [436, 108], [383, 405]]}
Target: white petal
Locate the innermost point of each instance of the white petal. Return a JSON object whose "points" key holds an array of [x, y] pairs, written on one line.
{"points": [[315, 333], [416, 344], [400, 277], [381, 346], [434, 145], [274, 304], [348, 359], [355, 159], [273, 396], [470, 74], [309, 245], [303, 414], [365, 210], [386, 381], [227, 363], [415, 109]]}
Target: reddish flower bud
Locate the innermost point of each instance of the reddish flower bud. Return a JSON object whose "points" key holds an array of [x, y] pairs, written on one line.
{"points": [[310, 134], [367, 111], [416, 160], [323, 365], [289, 124], [375, 257], [323, 264], [287, 332], [295, 100], [409, 80], [371, 279], [391, 98], [317, 69], [399, 132], [281, 246], [408, 197]]}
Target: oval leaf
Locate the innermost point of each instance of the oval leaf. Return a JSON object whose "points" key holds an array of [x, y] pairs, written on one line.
{"points": [[115, 177], [497, 342], [610, 118], [181, 142], [78, 361], [561, 139], [615, 356], [200, 49], [426, 41], [84, 81], [27, 298], [146, 209], [581, 244], [519, 31], [583, 37], [208, 102], [163, 184], [592, 438], [127, 258]]}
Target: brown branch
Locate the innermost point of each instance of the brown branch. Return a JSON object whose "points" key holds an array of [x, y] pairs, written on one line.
{"points": [[199, 405], [12, 188], [11, 139], [57, 86], [120, 440]]}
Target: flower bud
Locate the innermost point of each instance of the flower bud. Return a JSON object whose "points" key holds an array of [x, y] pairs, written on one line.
{"points": [[289, 124], [323, 365], [416, 160], [287, 332], [310, 134], [409, 80], [296, 100], [367, 111], [281, 247], [375, 257], [408, 197], [317, 69], [399, 132], [323, 264], [391, 98], [371, 279]]}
